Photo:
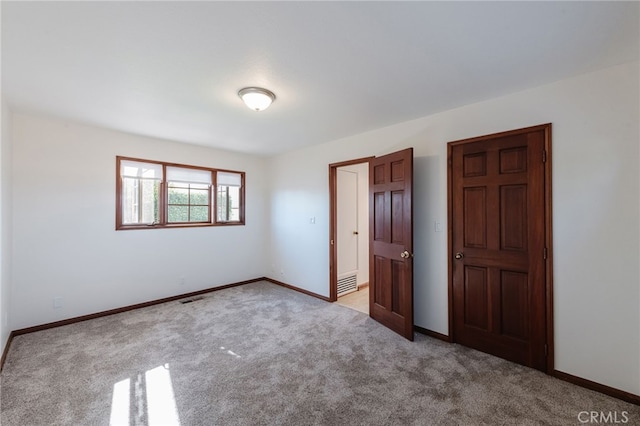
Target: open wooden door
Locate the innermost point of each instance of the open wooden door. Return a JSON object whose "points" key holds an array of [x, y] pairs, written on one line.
{"points": [[391, 241]]}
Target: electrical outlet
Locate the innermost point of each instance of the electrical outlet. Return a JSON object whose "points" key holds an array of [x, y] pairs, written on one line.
{"points": [[437, 225], [312, 220], [57, 302]]}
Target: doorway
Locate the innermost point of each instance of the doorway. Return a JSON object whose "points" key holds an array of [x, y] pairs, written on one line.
{"points": [[350, 231], [390, 229], [500, 272]]}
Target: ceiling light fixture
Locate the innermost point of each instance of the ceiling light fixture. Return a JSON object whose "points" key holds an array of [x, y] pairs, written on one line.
{"points": [[256, 98]]}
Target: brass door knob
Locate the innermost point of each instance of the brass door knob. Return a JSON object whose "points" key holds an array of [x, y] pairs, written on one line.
{"points": [[405, 255], [459, 255]]}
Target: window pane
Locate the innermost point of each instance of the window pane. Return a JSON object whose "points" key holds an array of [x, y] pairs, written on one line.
{"points": [[178, 214], [199, 186], [188, 202], [199, 197], [140, 201], [199, 214], [178, 195], [228, 203], [234, 203]]}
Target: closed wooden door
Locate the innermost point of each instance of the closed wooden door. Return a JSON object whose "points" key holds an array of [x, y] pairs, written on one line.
{"points": [[391, 241], [498, 251]]}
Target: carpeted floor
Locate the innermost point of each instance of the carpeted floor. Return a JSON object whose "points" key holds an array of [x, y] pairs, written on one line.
{"points": [[260, 354]]}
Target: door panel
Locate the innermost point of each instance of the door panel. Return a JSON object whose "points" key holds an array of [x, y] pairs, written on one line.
{"points": [[498, 285], [514, 290], [397, 217], [397, 288], [380, 292], [379, 225], [513, 217], [391, 236], [476, 289], [475, 217]]}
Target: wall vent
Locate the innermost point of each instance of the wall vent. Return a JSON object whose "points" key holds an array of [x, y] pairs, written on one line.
{"points": [[347, 284]]}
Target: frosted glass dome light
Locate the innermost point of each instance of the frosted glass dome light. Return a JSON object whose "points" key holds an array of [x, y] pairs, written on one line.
{"points": [[256, 98]]}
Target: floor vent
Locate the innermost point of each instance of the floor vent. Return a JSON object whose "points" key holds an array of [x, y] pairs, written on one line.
{"points": [[347, 284], [193, 299]]}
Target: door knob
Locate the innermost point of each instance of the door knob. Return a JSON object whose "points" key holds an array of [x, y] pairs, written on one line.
{"points": [[405, 255], [459, 255]]}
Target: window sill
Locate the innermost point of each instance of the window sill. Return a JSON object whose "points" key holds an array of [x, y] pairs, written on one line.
{"points": [[176, 225]]}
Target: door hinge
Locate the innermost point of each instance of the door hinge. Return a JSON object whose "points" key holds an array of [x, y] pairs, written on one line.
{"points": [[544, 253], [544, 155]]}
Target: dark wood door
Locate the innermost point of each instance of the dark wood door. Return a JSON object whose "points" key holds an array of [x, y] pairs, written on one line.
{"points": [[498, 244], [391, 241]]}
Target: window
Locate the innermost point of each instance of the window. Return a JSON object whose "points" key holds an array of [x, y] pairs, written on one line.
{"points": [[189, 193], [155, 194], [140, 191], [228, 196]]}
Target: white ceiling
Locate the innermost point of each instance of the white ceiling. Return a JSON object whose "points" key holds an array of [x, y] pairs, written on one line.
{"points": [[172, 69]]}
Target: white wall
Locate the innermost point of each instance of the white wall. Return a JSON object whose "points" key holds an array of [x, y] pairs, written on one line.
{"points": [[362, 171], [596, 195], [5, 224], [65, 243]]}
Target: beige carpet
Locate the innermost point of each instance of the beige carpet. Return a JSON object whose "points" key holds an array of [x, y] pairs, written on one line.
{"points": [[264, 355]]}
